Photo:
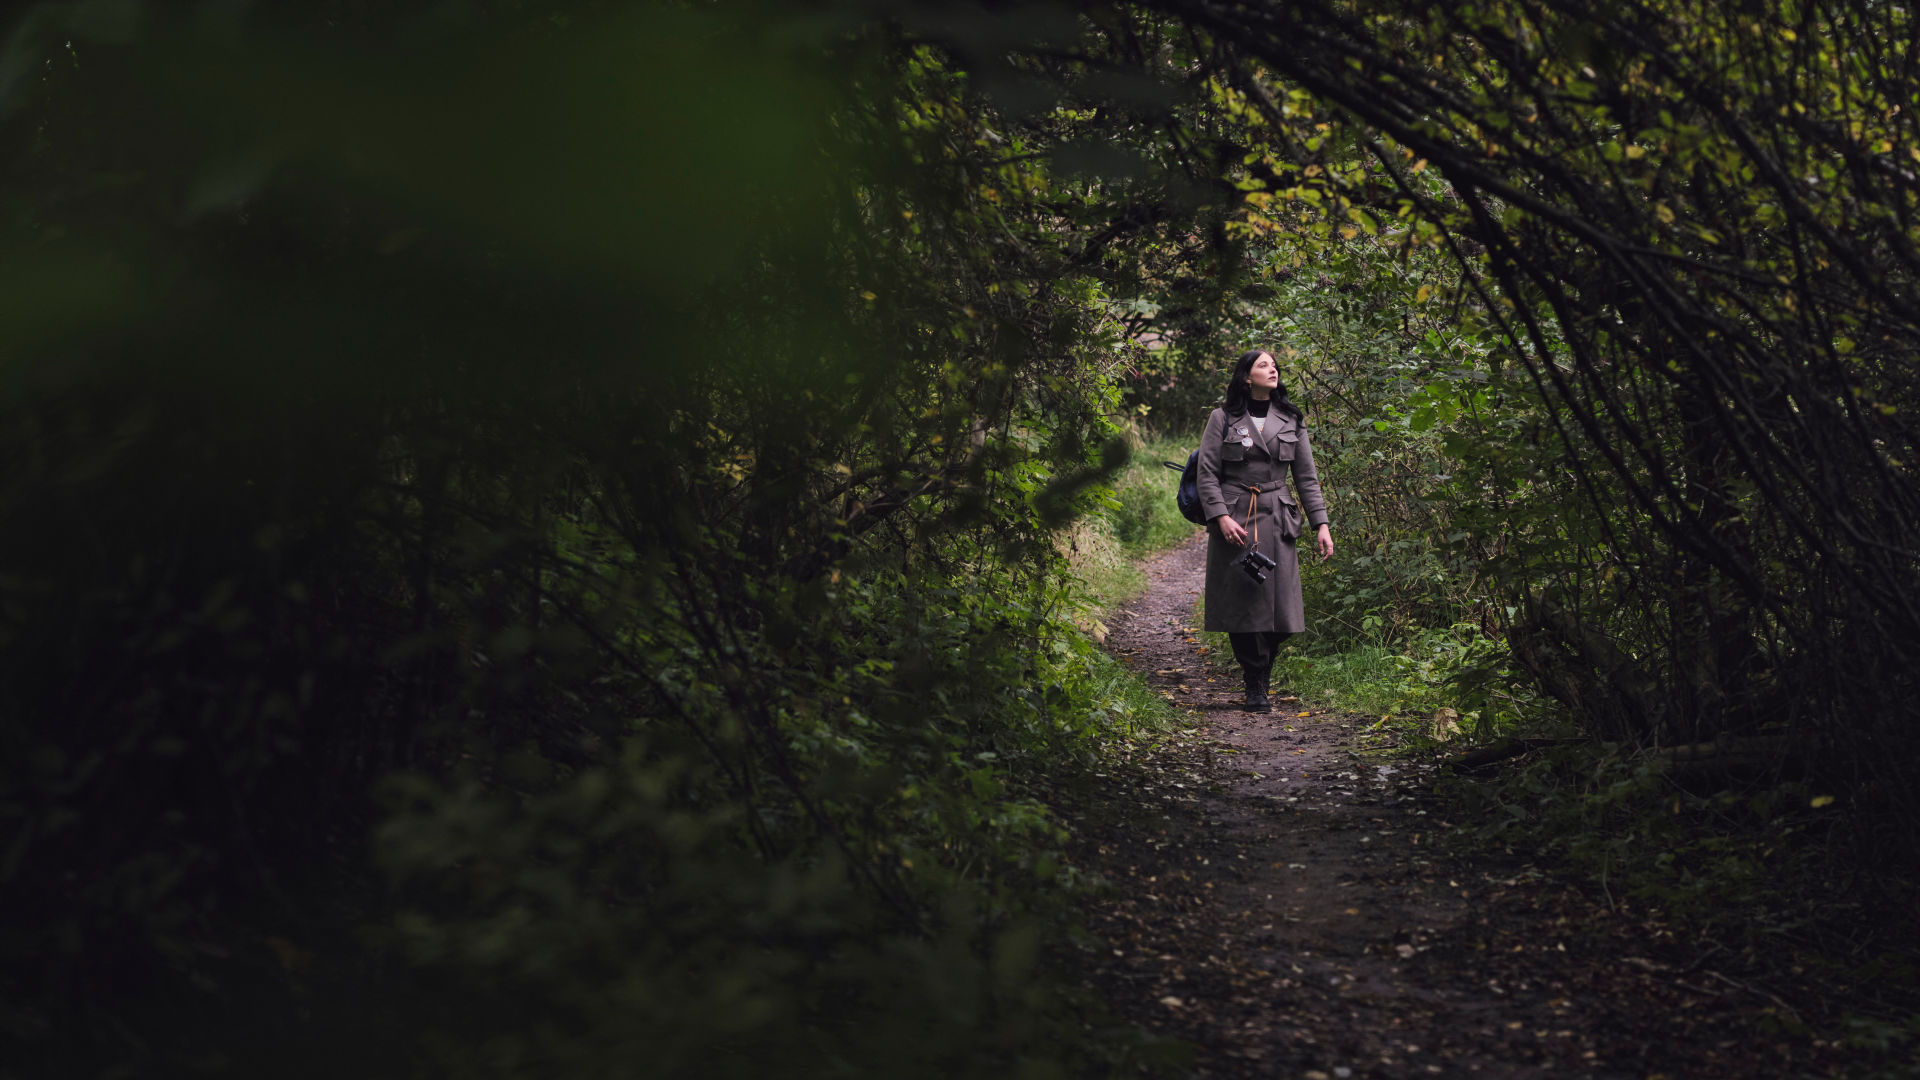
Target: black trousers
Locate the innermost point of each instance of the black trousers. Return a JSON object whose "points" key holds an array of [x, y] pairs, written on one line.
{"points": [[1256, 650]]}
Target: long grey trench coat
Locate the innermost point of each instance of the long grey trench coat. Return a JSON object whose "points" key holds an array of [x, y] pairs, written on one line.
{"points": [[1228, 473]]}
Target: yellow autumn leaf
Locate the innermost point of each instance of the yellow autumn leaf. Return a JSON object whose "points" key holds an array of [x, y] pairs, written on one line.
{"points": [[1819, 801]]}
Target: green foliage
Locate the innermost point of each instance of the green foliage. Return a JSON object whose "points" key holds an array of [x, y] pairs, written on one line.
{"points": [[732, 954], [1753, 869], [1132, 709], [1137, 519], [1711, 859], [653, 486], [1410, 679], [1146, 520], [1364, 679]]}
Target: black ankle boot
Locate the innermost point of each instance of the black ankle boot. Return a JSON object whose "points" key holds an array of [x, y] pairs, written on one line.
{"points": [[1256, 693]]}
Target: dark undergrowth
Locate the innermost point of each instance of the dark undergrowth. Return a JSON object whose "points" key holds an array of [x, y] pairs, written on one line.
{"points": [[1761, 883]]}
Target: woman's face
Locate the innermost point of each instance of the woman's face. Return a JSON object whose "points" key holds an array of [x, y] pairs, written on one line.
{"points": [[1265, 373]]}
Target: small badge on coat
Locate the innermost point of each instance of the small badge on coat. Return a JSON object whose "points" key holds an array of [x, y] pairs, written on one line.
{"points": [[1246, 440]]}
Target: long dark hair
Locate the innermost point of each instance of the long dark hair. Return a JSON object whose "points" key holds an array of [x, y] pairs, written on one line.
{"points": [[1238, 394]]}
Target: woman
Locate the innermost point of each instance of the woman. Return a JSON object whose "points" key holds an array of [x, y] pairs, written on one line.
{"points": [[1252, 441]]}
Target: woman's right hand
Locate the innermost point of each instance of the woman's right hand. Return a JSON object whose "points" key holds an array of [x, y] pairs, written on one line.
{"points": [[1231, 530]]}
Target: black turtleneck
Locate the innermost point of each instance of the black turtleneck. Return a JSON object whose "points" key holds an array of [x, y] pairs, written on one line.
{"points": [[1256, 407]]}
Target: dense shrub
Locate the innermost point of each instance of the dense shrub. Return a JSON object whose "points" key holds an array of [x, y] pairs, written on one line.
{"points": [[543, 549]]}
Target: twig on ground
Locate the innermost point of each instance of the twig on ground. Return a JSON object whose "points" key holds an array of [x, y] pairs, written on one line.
{"points": [[1736, 983]]}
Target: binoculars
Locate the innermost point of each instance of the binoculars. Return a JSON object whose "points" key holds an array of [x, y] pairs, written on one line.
{"points": [[1256, 565]]}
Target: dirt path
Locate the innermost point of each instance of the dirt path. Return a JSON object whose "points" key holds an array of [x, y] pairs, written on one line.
{"points": [[1285, 900]]}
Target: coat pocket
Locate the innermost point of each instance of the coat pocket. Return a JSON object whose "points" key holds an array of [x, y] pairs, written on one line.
{"points": [[1289, 515]]}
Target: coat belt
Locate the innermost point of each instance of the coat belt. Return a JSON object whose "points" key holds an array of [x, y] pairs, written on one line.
{"points": [[1273, 489]]}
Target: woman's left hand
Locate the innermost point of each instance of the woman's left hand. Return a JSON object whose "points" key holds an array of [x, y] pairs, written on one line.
{"points": [[1326, 543]]}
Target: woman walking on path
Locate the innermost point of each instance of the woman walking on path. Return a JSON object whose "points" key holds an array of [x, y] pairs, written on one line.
{"points": [[1253, 571]]}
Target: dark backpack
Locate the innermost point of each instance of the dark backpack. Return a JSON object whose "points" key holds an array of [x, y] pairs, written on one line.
{"points": [[1188, 495]]}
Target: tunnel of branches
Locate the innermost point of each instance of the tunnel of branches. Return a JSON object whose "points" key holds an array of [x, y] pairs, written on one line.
{"points": [[628, 438]]}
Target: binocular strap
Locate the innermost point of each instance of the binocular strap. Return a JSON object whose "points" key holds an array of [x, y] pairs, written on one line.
{"points": [[1253, 512]]}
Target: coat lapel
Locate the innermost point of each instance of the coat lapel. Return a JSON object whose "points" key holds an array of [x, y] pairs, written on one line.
{"points": [[1278, 423]]}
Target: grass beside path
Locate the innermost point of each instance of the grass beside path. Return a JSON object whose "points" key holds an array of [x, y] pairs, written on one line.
{"points": [[1141, 520]]}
